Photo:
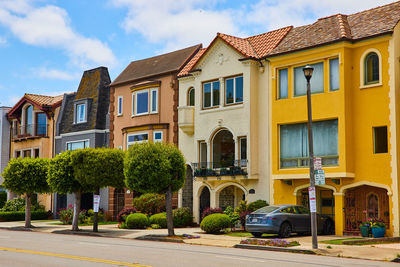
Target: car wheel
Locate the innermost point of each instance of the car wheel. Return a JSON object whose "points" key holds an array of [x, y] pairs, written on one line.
{"points": [[285, 230], [328, 228], [257, 234]]}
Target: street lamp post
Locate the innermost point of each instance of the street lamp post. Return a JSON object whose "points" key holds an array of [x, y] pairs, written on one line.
{"points": [[308, 71]]}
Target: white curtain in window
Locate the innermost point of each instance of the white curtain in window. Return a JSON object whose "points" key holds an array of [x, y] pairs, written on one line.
{"points": [[334, 74], [316, 82], [283, 83]]}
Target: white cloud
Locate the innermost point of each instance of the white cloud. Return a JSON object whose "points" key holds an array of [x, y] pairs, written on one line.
{"points": [[3, 41], [280, 13], [49, 26], [55, 74], [177, 23]]}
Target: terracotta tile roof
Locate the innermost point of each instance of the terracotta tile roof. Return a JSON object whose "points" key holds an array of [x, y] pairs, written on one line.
{"points": [[339, 27], [158, 65], [43, 100], [185, 70], [255, 47]]}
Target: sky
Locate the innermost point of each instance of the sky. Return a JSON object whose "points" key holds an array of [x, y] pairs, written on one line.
{"points": [[45, 45]]}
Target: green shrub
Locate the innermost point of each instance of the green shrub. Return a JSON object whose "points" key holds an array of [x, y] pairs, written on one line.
{"points": [[182, 217], [255, 205], [6, 216], [16, 204], [241, 207], [3, 198], [90, 216], [233, 215], [214, 223], [150, 203], [137, 221], [155, 226], [160, 219], [66, 215]]}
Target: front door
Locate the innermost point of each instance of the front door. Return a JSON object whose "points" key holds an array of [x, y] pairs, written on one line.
{"points": [[204, 200]]}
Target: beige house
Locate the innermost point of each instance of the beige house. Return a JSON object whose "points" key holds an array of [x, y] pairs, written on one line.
{"points": [[226, 149]]}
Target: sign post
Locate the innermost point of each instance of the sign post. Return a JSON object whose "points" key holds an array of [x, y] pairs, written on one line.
{"points": [[96, 203]]}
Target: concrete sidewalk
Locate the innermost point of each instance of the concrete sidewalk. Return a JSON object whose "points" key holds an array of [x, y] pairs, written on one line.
{"points": [[386, 252]]}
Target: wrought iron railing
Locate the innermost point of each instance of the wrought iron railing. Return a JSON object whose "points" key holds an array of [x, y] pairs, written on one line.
{"points": [[236, 167], [29, 130]]}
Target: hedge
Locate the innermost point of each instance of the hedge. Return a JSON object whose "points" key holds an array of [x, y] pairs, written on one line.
{"points": [[214, 223], [137, 221], [7, 216]]}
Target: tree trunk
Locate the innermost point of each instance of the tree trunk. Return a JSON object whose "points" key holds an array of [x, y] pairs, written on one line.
{"points": [[170, 219], [28, 210], [96, 215], [77, 206]]}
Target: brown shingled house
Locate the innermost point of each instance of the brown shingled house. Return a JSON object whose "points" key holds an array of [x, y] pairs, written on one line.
{"points": [[143, 107]]}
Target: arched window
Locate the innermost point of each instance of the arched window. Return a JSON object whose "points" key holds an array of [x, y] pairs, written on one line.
{"points": [[223, 147], [371, 68], [191, 97]]}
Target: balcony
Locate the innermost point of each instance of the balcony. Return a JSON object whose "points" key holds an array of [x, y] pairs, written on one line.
{"points": [[221, 170], [28, 131], [186, 119]]}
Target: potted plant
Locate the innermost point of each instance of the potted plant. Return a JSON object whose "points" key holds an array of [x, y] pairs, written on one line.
{"points": [[365, 228], [223, 171], [210, 172], [378, 228]]}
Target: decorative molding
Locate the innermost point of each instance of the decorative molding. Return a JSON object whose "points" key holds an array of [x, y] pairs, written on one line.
{"points": [[82, 132]]}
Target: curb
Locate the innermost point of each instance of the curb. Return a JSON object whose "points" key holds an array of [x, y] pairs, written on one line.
{"points": [[159, 238], [279, 249], [69, 232], [17, 228]]}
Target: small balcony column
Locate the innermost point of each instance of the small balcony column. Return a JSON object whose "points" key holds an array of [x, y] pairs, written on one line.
{"points": [[209, 157], [237, 144]]}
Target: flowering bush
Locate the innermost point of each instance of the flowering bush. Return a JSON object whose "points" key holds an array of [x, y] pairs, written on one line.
{"points": [[242, 217], [371, 222], [378, 223], [150, 203], [270, 242], [209, 211], [66, 215], [124, 213], [187, 236], [366, 223]]}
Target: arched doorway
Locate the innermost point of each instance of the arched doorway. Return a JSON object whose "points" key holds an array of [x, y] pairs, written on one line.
{"points": [[187, 191], [365, 202], [119, 200], [230, 196], [223, 149], [204, 199]]}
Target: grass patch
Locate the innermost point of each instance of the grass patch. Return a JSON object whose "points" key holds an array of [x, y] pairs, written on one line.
{"points": [[340, 241], [85, 224]]}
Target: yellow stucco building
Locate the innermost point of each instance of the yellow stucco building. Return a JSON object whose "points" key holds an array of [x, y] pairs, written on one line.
{"points": [[355, 100]]}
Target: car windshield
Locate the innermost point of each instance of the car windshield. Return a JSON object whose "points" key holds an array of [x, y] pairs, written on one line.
{"points": [[266, 209]]}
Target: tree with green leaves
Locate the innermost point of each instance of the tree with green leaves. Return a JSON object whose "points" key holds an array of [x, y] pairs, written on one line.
{"points": [[97, 168], [27, 176], [61, 179], [156, 168]]}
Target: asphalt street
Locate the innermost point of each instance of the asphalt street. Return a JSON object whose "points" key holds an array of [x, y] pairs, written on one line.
{"points": [[20, 248]]}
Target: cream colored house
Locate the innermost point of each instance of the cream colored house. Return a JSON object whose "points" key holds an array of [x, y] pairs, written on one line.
{"points": [[226, 149]]}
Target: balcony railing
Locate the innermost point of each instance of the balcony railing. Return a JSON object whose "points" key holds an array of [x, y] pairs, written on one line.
{"points": [[205, 169], [29, 130]]}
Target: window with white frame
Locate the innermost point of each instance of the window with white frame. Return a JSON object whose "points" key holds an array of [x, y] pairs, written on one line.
{"points": [[77, 145], [137, 138], [333, 74], [211, 94], [157, 136], [120, 105], [80, 113], [154, 100], [234, 90], [145, 101], [243, 151], [283, 83]]}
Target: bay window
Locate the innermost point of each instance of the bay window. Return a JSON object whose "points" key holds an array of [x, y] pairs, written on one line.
{"points": [[137, 138], [145, 102], [294, 143]]}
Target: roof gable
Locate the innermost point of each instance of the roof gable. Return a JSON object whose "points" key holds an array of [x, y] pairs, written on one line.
{"points": [[42, 102], [158, 65]]}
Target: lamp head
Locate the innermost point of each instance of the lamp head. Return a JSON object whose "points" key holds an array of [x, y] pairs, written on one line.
{"points": [[308, 71]]}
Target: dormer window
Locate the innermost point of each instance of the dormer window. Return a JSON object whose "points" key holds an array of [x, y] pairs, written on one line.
{"points": [[29, 120], [80, 113]]}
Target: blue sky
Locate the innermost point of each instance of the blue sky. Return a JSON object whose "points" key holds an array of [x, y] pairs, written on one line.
{"points": [[45, 45]]}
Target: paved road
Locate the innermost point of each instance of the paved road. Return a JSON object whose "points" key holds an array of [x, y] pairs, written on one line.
{"points": [[42, 249]]}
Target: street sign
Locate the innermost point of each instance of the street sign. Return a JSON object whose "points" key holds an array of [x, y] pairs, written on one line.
{"points": [[319, 177], [317, 163], [96, 203], [313, 199]]}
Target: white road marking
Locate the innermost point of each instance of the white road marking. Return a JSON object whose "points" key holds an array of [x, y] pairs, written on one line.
{"points": [[236, 258]]}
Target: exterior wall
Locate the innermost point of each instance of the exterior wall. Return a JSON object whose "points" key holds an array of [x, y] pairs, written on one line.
{"points": [[164, 120], [220, 62], [4, 140], [45, 146], [357, 108], [97, 138]]}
